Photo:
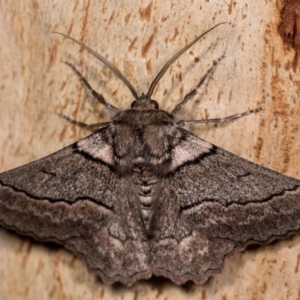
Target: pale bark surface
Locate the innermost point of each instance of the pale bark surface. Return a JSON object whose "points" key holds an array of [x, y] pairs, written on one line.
{"points": [[138, 37]]}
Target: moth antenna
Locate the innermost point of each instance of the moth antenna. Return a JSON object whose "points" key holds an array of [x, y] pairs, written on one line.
{"points": [[177, 55], [106, 63]]}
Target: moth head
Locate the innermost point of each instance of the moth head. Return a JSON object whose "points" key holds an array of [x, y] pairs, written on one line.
{"points": [[144, 102]]}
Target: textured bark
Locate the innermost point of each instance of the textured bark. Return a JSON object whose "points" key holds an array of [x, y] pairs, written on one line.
{"points": [[138, 39]]}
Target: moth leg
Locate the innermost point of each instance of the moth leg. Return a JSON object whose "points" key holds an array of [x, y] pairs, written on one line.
{"points": [[195, 91], [220, 120], [91, 127], [96, 95]]}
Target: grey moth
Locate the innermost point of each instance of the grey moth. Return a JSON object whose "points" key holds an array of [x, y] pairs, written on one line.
{"points": [[143, 196]]}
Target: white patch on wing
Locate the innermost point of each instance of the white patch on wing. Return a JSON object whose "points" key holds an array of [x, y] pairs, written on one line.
{"points": [[96, 147], [187, 151], [191, 247]]}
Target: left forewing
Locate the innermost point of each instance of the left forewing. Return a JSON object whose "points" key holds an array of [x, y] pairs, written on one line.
{"points": [[77, 200]]}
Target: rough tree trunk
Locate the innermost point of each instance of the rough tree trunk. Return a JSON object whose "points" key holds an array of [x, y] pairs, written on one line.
{"points": [[138, 38]]}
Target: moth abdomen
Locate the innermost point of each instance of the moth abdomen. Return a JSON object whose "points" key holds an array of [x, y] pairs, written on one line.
{"points": [[146, 184]]}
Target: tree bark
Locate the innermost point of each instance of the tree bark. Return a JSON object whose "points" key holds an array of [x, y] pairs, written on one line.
{"points": [[36, 85]]}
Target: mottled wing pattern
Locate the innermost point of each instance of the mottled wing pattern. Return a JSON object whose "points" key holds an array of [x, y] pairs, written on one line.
{"points": [[207, 207], [219, 204], [79, 202]]}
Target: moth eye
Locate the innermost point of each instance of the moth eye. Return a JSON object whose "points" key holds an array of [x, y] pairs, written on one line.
{"points": [[133, 104], [154, 104]]}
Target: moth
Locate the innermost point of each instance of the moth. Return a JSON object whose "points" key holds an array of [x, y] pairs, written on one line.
{"points": [[142, 196]]}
